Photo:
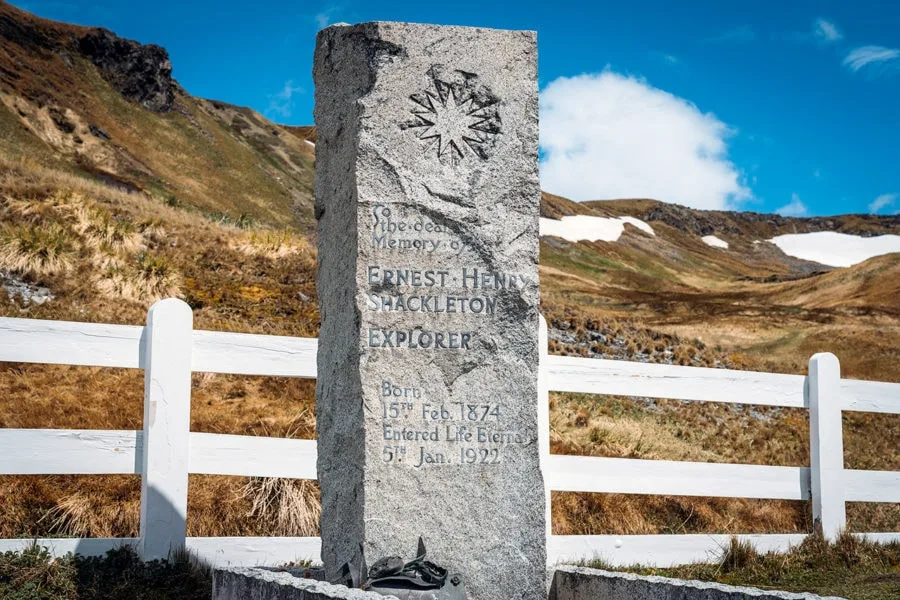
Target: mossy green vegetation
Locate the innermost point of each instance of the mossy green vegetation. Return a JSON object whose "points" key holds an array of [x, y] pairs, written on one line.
{"points": [[33, 574]]}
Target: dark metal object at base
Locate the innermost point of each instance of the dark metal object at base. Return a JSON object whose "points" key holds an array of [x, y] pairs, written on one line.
{"points": [[418, 579]]}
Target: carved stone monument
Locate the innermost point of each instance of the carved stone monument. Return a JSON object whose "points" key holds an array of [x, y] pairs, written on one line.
{"points": [[427, 198]]}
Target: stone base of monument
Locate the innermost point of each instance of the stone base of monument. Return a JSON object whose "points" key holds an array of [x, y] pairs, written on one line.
{"points": [[579, 583], [265, 583], [568, 583]]}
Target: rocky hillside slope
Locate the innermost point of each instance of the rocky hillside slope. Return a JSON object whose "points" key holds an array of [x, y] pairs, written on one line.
{"points": [[87, 101], [760, 307], [727, 223]]}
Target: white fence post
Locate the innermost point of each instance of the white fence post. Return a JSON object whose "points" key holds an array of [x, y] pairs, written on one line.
{"points": [[544, 419], [167, 412], [826, 444]]}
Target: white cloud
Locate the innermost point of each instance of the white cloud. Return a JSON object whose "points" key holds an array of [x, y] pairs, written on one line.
{"points": [[322, 20], [325, 17], [794, 208], [282, 103], [875, 56], [608, 135], [669, 59], [883, 201], [826, 31]]}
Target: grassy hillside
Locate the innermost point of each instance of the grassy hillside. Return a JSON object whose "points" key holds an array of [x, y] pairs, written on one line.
{"points": [[106, 255], [749, 300], [57, 108], [671, 298]]}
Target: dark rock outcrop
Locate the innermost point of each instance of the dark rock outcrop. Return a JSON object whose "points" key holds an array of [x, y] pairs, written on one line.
{"points": [[98, 132], [708, 222], [142, 73], [61, 121]]}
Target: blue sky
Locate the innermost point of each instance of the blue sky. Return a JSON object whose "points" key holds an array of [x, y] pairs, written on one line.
{"points": [[788, 106]]}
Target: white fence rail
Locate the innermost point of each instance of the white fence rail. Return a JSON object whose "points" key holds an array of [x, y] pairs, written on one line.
{"points": [[165, 452]]}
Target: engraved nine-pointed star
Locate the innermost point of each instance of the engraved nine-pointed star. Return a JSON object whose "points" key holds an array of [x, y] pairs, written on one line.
{"points": [[451, 119]]}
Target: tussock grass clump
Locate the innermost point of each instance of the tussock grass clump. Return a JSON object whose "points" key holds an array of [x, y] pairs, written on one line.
{"points": [[86, 515], [146, 277], [68, 233], [291, 507], [739, 554], [36, 251], [274, 244], [62, 505], [104, 232]]}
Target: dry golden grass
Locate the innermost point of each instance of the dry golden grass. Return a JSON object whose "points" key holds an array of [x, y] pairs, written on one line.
{"points": [[274, 244], [635, 514], [68, 230], [127, 249], [623, 427], [34, 188], [124, 251], [292, 506], [53, 396], [36, 251], [87, 514], [677, 430], [46, 506], [241, 506], [109, 506], [267, 287], [706, 432]]}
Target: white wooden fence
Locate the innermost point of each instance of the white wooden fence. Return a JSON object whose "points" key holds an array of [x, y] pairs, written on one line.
{"points": [[166, 451]]}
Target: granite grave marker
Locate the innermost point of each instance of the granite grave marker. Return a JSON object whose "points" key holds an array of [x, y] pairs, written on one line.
{"points": [[427, 200]]}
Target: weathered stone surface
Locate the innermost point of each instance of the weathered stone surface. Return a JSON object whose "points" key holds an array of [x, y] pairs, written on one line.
{"points": [[580, 583], [142, 73], [427, 197], [268, 584]]}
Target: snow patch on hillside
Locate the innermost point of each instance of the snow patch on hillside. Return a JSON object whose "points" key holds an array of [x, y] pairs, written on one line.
{"points": [[711, 240], [836, 249], [592, 229]]}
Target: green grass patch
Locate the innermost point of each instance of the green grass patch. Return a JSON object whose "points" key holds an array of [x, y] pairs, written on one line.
{"points": [[850, 568], [34, 574], [577, 260]]}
